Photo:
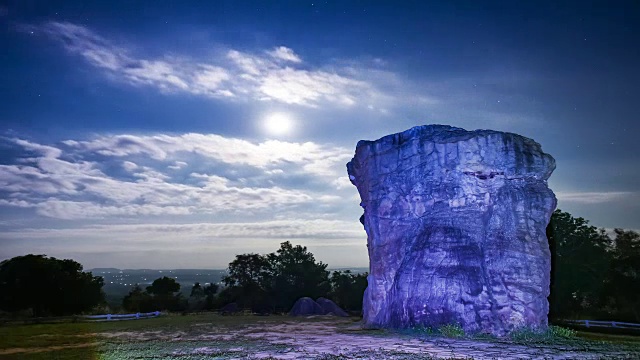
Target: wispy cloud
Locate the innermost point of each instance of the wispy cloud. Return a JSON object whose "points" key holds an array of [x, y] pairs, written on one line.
{"points": [[592, 197], [203, 245], [284, 53], [134, 175], [274, 229], [278, 74]]}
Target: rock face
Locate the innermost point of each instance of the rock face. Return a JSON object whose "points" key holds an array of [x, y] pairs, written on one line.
{"points": [[306, 306], [456, 223]]}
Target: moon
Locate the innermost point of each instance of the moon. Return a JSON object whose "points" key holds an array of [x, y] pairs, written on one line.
{"points": [[278, 124]]}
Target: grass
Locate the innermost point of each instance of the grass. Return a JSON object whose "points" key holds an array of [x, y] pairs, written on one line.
{"points": [[81, 340]]}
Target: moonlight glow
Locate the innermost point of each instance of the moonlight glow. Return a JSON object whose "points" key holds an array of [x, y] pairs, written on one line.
{"points": [[278, 124]]}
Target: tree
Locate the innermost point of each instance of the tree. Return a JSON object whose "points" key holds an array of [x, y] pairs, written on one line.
{"points": [[347, 289], [165, 294], [579, 265], [138, 300], [273, 282], [622, 292], [296, 274], [164, 286], [202, 297], [48, 286], [210, 293], [249, 281]]}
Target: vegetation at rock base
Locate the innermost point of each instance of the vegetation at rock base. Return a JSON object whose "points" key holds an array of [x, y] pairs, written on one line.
{"points": [[451, 330]]}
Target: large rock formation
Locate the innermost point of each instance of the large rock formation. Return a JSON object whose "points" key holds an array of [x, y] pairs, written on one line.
{"points": [[456, 224]]}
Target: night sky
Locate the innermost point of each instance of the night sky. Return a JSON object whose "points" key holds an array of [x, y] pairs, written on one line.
{"points": [[177, 134]]}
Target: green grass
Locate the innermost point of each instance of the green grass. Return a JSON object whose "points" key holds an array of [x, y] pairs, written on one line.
{"points": [[85, 353], [82, 340], [36, 338]]}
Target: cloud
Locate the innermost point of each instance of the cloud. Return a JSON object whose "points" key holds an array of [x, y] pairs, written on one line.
{"points": [[203, 244], [592, 197], [284, 53], [130, 176], [273, 75], [314, 158], [275, 229]]}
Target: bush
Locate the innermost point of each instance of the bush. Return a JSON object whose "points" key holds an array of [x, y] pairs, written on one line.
{"points": [[451, 330], [551, 335], [560, 332]]}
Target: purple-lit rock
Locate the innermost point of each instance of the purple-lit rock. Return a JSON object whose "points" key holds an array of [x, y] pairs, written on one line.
{"points": [[306, 306], [456, 223], [330, 308]]}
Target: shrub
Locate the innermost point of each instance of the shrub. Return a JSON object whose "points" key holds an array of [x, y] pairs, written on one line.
{"points": [[451, 330], [560, 332], [551, 334]]}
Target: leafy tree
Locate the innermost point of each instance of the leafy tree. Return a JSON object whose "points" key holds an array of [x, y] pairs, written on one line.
{"points": [[273, 282], [202, 297], [163, 286], [210, 294], [138, 300], [296, 274], [48, 286], [197, 291], [579, 262], [249, 281], [622, 292], [347, 289], [165, 294]]}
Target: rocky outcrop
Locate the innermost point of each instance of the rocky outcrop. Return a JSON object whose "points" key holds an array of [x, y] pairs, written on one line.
{"points": [[306, 306], [456, 223], [330, 308]]}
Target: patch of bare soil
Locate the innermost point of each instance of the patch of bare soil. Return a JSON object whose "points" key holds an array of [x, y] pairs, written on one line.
{"points": [[323, 339], [320, 339]]}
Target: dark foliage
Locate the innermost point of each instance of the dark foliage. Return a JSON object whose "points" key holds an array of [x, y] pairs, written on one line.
{"points": [[138, 301], [347, 289], [202, 297], [273, 282], [162, 294], [592, 275], [48, 286], [622, 286], [579, 264]]}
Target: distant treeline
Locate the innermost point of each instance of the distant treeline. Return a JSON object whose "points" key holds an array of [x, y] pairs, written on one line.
{"points": [[593, 276], [261, 283]]}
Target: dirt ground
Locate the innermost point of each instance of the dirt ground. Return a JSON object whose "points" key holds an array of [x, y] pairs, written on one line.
{"points": [[318, 338]]}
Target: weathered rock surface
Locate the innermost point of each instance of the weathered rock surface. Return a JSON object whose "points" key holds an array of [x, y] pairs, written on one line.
{"points": [[456, 223], [330, 308], [306, 306]]}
